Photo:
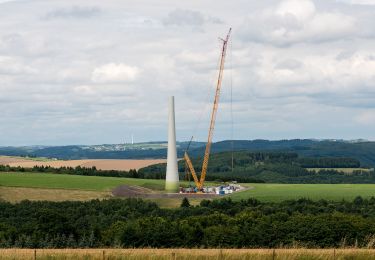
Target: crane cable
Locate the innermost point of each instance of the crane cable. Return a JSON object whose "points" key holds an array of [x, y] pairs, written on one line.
{"points": [[199, 119], [207, 104], [231, 99]]}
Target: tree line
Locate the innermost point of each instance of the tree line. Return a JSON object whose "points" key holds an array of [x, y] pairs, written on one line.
{"points": [[86, 171], [218, 223], [328, 162]]}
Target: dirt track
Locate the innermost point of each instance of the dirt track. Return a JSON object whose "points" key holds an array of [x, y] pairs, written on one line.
{"points": [[139, 192], [101, 164]]}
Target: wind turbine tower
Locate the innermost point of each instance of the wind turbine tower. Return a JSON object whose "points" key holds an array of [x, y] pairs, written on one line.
{"points": [[171, 180]]}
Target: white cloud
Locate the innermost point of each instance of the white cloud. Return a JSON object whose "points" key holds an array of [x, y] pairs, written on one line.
{"points": [[115, 72], [7, 1], [73, 12], [297, 21], [109, 67], [315, 74], [84, 90], [185, 17], [303, 10], [13, 66], [358, 2], [366, 118]]}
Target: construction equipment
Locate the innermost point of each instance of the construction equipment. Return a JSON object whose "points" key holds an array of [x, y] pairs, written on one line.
{"points": [[199, 182]]}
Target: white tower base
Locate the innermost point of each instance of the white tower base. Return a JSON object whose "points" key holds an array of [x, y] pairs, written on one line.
{"points": [[171, 180]]}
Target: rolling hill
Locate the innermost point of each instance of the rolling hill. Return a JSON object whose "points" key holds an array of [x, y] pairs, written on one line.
{"points": [[364, 151]]}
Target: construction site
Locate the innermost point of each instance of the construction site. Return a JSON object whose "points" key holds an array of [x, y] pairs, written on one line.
{"points": [[172, 175]]}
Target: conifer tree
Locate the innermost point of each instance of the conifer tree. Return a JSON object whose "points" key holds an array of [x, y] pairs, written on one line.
{"points": [[185, 203]]}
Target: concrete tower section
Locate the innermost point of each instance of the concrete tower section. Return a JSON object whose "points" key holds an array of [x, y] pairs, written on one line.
{"points": [[171, 180]]}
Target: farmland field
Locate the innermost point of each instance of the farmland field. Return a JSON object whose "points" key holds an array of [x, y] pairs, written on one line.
{"points": [[280, 192], [188, 254], [100, 164]]}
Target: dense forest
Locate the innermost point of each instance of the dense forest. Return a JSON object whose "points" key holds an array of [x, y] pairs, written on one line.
{"points": [[363, 151], [272, 167], [219, 223]]}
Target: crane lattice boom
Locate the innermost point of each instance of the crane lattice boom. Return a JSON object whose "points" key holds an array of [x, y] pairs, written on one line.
{"points": [[199, 183]]}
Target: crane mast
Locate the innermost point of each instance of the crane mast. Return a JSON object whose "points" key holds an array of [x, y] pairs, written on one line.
{"points": [[199, 183]]}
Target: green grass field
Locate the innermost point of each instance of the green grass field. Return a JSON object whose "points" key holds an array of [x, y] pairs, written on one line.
{"points": [[75, 182], [263, 192], [279, 192]]}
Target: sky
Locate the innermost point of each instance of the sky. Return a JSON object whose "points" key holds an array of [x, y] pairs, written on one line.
{"points": [[94, 72]]}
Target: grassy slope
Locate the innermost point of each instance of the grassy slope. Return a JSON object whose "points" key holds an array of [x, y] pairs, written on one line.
{"points": [[279, 192], [62, 181]]}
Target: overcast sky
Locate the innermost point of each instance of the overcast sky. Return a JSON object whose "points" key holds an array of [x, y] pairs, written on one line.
{"points": [[92, 72]]}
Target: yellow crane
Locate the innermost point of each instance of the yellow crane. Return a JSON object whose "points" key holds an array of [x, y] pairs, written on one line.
{"points": [[199, 182]]}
